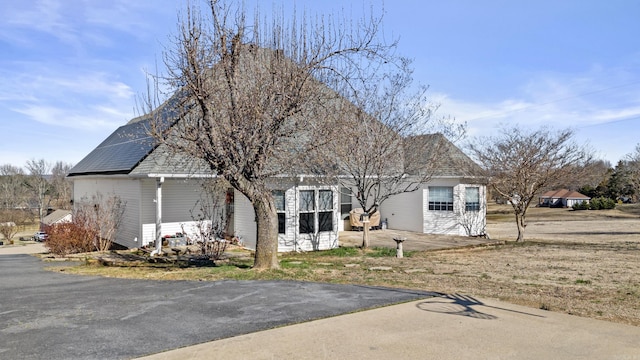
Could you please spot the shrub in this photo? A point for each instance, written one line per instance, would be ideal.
(8, 230)
(71, 238)
(581, 206)
(599, 203)
(602, 203)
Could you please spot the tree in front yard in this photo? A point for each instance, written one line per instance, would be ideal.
(522, 163)
(383, 148)
(258, 98)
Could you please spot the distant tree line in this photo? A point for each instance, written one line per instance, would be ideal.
(27, 193)
(620, 183)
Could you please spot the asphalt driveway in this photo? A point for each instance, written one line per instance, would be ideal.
(50, 315)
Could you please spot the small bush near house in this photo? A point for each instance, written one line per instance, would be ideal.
(581, 206)
(602, 203)
(71, 238)
(599, 203)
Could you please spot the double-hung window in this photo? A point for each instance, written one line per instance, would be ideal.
(325, 210)
(278, 196)
(345, 202)
(472, 199)
(441, 198)
(307, 210)
(316, 211)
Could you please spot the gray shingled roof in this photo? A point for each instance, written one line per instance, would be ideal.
(433, 154)
(131, 150)
(163, 161)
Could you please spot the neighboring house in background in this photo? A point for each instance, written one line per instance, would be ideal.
(562, 198)
(57, 217)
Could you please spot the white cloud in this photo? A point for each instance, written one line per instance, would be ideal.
(88, 100)
(597, 97)
(76, 23)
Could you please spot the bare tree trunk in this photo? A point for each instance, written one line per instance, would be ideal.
(267, 221)
(520, 222)
(365, 234)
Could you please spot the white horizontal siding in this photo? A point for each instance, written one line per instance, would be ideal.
(244, 220)
(404, 211)
(128, 190)
(291, 240)
(451, 222)
(190, 228)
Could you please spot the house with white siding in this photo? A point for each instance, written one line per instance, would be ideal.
(562, 198)
(161, 189)
(161, 195)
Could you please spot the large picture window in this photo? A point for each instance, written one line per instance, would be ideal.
(312, 209)
(440, 198)
(278, 196)
(472, 199)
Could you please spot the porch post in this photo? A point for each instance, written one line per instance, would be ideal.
(159, 182)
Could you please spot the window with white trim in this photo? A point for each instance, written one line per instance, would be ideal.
(315, 211)
(472, 199)
(441, 198)
(325, 210)
(345, 202)
(307, 210)
(279, 199)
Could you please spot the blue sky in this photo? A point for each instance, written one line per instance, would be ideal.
(72, 70)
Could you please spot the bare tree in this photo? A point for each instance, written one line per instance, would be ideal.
(12, 189)
(211, 220)
(473, 221)
(255, 100)
(522, 163)
(38, 184)
(381, 149)
(61, 186)
(101, 215)
(8, 228)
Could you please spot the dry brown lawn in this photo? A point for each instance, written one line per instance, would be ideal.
(585, 263)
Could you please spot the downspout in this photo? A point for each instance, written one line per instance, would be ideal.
(158, 250)
(296, 212)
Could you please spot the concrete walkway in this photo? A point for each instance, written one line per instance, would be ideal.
(446, 327)
(414, 241)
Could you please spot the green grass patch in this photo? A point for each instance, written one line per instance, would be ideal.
(294, 264)
(583, 282)
(339, 252)
(377, 252)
